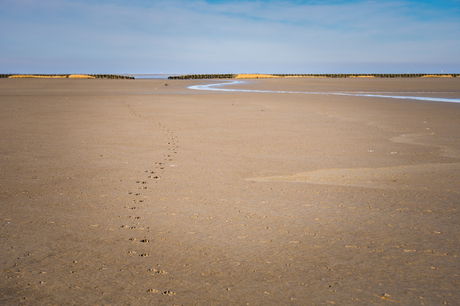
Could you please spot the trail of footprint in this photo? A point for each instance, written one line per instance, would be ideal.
(144, 184)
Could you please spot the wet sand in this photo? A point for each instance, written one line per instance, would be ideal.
(130, 192)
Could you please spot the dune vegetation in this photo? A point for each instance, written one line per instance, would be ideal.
(438, 76)
(255, 76)
(81, 76)
(23, 76)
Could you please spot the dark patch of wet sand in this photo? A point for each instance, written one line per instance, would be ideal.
(132, 192)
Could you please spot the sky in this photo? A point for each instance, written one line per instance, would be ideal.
(229, 36)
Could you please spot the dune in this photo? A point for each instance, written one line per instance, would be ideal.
(437, 76)
(255, 76)
(80, 76)
(23, 76)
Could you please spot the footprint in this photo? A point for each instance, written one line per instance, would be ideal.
(168, 293)
(157, 271)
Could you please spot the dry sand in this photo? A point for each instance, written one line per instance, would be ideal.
(129, 192)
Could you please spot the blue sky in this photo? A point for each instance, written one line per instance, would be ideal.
(220, 36)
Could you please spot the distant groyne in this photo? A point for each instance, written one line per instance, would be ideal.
(340, 75)
(64, 76)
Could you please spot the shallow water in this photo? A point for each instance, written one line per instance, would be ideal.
(219, 87)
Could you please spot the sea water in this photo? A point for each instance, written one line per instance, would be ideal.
(220, 87)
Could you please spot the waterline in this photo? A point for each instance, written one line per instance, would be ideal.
(219, 87)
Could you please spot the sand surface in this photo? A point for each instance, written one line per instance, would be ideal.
(130, 192)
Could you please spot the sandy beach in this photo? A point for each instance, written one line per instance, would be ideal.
(130, 192)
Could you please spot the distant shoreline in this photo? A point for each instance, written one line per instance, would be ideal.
(230, 76)
(65, 76)
(341, 75)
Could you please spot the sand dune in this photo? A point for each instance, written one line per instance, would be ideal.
(30, 76)
(80, 76)
(255, 76)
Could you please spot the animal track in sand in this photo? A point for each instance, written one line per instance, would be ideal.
(157, 271)
(168, 293)
(136, 194)
(133, 217)
(145, 183)
(134, 227)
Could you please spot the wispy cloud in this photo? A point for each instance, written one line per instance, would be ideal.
(227, 36)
